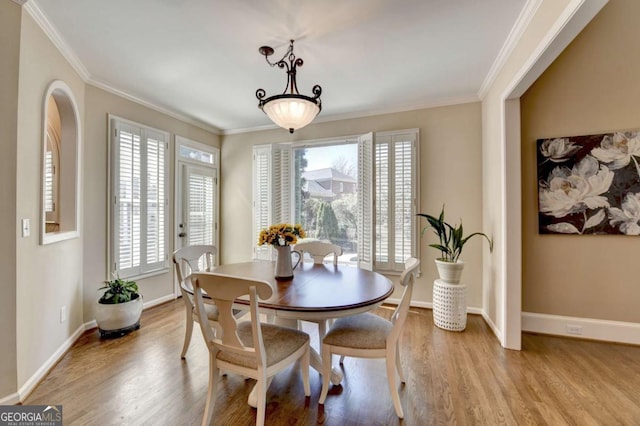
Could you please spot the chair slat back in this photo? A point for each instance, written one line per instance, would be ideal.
(224, 290)
(318, 250)
(187, 261)
(406, 280)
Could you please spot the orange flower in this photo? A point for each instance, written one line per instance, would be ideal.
(281, 234)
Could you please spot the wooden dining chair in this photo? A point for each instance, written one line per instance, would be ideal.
(188, 260)
(249, 348)
(319, 250)
(371, 336)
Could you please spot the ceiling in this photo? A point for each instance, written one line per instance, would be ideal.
(199, 59)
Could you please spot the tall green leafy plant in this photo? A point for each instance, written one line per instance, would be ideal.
(119, 291)
(327, 222)
(451, 238)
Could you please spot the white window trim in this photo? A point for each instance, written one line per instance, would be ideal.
(72, 126)
(111, 267)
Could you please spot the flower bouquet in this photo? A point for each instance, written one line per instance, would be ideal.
(281, 234)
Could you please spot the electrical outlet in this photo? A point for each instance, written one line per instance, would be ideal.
(574, 329)
(63, 314)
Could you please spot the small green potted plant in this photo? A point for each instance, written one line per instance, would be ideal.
(451, 242)
(119, 308)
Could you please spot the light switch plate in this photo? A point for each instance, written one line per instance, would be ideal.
(26, 228)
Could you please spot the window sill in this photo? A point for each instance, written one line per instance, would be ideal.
(146, 274)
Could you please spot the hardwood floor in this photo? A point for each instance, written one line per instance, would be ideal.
(452, 378)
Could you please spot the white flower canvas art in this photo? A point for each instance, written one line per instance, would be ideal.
(589, 185)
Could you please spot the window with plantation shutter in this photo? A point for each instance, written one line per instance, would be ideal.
(395, 204)
(272, 191)
(387, 188)
(139, 199)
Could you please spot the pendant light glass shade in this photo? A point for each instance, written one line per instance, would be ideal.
(291, 112)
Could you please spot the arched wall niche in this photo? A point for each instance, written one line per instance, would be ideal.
(59, 210)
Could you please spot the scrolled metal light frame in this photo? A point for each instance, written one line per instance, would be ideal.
(288, 62)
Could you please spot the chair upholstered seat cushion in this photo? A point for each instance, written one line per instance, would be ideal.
(211, 310)
(279, 343)
(364, 331)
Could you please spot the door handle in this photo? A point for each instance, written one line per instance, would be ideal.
(182, 234)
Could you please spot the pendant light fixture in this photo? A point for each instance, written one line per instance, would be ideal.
(290, 110)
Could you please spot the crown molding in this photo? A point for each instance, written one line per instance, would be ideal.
(573, 19)
(524, 19)
(50, 30)
(68, 53)
(20, 2)
(368, 113)
(145, 103)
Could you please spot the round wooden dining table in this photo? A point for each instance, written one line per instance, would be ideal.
(317, 293)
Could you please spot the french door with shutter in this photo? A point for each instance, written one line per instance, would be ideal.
(197, 172)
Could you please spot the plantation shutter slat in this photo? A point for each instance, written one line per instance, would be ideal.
(48, 181)
(365, 201)
(383, 216)
(127, 199)
(261, 198)
(155, 222)
(200, 194)
(404, 212)
(282, 157)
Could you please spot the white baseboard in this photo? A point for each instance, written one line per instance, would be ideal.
(607, 331)
(493, 327)
(583, 328)
(35, 379)
(427, 305)
(12, 399)
(89, 325)
(158, 301)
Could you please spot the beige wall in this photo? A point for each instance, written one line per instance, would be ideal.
(99, 104)
(10, 18)
(450, 173)
(50, 276)
(42, 279)
(591, 88)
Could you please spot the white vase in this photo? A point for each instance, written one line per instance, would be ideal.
(450, 272)
(118, 318)
(284, 266)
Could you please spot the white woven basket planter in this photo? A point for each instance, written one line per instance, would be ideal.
(449, 305)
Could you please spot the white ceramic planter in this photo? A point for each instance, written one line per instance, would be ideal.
(118, 318)
(450, 272)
